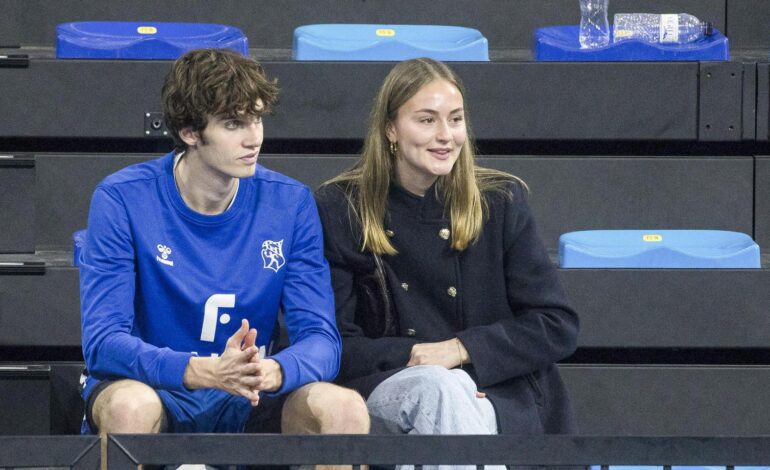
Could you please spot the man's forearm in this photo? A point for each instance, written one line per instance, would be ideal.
(273, 375)
(200, 373)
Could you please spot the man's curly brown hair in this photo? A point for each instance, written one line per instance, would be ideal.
(205, 83)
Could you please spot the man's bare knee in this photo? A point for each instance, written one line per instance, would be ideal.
(349, 412)
(127, 406)
(325, 408)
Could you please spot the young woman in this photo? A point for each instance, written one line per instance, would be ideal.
(479, 316)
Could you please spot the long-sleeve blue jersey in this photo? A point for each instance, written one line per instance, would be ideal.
(160, 282)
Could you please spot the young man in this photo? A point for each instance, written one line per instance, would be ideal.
(188, 260)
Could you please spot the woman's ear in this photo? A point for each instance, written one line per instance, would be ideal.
(390, 131)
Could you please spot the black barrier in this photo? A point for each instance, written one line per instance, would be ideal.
(75, 452)
(128, 451)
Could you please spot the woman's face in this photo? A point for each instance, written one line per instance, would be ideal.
(429, 130)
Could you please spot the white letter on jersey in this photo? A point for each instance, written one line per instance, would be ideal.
(211, 312)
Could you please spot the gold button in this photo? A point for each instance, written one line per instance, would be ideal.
(452, 292)
(410, 332)
(405, 286)
(444, 233)
(389, 233)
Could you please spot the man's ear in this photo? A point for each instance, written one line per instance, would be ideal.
(189, 136)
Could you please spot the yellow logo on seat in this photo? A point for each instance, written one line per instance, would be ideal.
(146, 30)
(385, 32)
(623, 33)
(652, 238)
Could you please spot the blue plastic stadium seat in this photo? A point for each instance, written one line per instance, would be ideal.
(78, 242)
(675, 467)
(679, 467)
(628, 467)
(560, 43)
(642, 467)
(657, 249)
(388, 42)
(143, 40)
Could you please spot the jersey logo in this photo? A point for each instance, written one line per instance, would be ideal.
(165, 252)
(211, 314)
(272, 255)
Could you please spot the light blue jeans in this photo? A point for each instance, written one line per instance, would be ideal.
(431, 400)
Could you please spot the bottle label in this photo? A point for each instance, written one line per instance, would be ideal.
(669, 28)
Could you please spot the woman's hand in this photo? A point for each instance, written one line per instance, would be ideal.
(450, 354)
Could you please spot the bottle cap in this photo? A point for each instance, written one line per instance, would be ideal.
(709, 31)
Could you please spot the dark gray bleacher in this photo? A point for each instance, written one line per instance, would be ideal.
(762, 200)
(635, 145)
(519, 101)
(568, 192)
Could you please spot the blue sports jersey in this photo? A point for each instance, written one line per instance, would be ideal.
(160, 282)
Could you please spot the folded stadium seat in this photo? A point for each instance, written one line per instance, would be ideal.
(143, 40)
(78, 242)
(364, 42)
(638, 467)
(628, 467)
(675, 467)
(699, 468)
(657, 249)
(561, 44)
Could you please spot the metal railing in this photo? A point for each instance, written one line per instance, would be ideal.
(128, 451)
(75, 452)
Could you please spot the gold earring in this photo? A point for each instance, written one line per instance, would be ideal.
(393, 148)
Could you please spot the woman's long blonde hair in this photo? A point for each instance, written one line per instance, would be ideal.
(367, 183)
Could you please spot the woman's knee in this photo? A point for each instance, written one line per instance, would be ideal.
(419, 383)
(421, 390)
(425, 400)
(127, 406)
(325, 408)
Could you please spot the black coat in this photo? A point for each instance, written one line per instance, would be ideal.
(501, 297)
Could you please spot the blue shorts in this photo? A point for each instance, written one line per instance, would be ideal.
(204, 410)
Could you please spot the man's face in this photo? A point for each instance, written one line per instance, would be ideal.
(229, 146)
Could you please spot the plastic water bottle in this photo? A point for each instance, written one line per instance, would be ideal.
(594, 28)
(677, 28)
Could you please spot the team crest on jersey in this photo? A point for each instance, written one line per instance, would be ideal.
(165, 252)
(272, 255)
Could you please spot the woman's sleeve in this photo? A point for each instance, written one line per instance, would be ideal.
(361, 356)
(542, 328)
